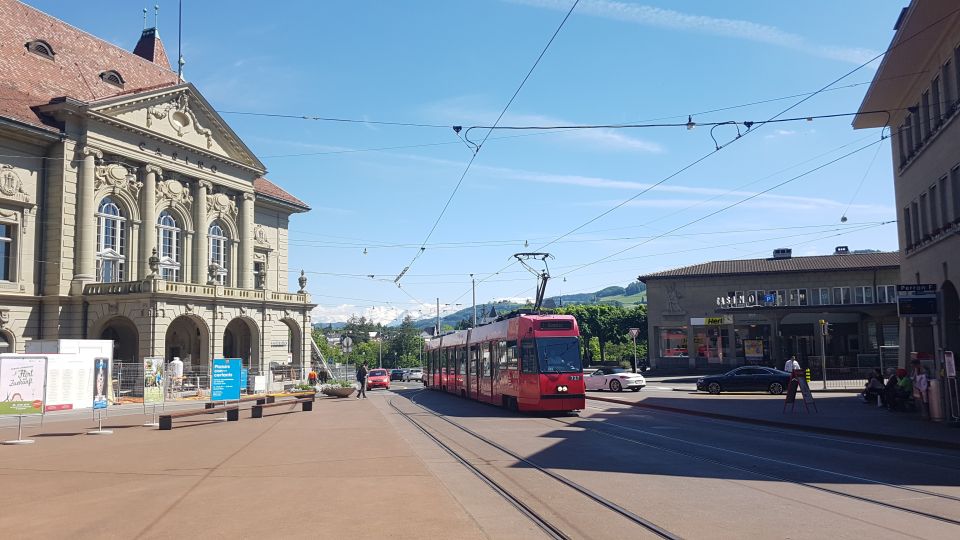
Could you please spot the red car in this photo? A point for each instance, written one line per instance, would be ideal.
(378, 378)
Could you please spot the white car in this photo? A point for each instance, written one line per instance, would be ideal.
(414, 374)
(615, 379)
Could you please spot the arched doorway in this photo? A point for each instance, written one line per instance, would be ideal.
(294, 344)
(6, 342)
(126, 340)
(951, 318)
(241, 339)
(188, 339)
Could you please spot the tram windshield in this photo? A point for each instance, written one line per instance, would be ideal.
(559, 355)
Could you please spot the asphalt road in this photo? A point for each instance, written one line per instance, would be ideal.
(701, 478)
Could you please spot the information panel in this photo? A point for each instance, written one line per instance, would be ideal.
(225, 380)
(21, 385)
(917, 300)
(153, 379)
(69, 382)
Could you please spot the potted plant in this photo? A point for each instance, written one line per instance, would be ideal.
(338, 388)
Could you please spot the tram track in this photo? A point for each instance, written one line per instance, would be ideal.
(544, 523)
(770, 476)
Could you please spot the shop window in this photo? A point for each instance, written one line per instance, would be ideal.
(798, 297)
(863, 295)
(886, 294)
(673, 342)
(841, 295)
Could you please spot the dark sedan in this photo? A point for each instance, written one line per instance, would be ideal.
(396, 375)
(746, 379)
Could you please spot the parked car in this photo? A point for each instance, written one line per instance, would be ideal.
(746, 379)
(378, 378)
(396, 375)
(414, 374)
(614, 379)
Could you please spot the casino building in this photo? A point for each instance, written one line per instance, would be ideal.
(721, 314)
(129, 210)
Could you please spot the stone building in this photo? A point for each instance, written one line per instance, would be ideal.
(720, 314)
(917, 88)
(129, 210)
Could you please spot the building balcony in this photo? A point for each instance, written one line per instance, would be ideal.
(172, 289)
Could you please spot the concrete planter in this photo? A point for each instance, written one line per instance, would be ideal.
(336, 391)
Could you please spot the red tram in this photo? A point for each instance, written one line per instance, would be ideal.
(526, 362)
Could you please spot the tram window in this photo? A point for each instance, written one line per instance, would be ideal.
(501, 356)
(462, 364)
(484, 353)
(528, 357)
(511, 347)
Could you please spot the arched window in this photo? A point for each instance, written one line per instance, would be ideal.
(219, 252)
(6, 342)
(40, 47)
(169, 246)
(113, 77)
(111, 242)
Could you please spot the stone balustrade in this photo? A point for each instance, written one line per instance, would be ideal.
(163, 287)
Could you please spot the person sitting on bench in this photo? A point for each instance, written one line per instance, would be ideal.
(873, 389)
(904, 391)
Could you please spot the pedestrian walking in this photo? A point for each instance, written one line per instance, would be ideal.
(791, 365)
(362, 380)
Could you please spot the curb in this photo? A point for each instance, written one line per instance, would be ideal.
(774, 423)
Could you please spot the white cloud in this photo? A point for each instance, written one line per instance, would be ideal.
(732, 28)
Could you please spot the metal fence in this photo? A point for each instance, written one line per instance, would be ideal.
(851, 371)
(128, 381)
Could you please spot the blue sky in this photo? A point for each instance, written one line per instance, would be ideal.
(452, 62)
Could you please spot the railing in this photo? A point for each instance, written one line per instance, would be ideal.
(851, 372)
(191, 289)
(128, 381)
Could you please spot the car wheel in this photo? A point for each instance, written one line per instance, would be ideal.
(775, 388)
(635, 389)
(714, 388)
(615, 386)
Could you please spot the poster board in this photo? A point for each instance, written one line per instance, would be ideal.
(225, 379)
(154, 379)
(753, 349)
(791, 399)
(949, 365)
(101, 375)
(22, 384)
(69, 382)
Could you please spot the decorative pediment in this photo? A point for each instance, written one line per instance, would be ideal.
(117, 178)
(181, 115)
(11, 186)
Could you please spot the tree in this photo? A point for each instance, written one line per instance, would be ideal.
(404, 345)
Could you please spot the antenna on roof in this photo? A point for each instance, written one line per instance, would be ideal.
(156, 16)
(180, 60)
(144, 18)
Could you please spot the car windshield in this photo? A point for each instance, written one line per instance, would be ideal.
(377, 373)
(617, 370)
(559, 355)
(415, 370)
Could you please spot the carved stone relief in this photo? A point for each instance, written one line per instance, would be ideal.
(260, 236)
(174, 191)
(10, 184)
(673, 299)
(181, 118)
(4, 317)
(221, 203)
(117, 178)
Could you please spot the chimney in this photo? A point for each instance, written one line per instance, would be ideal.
(841, 250)
(151, 48)
(782, 253)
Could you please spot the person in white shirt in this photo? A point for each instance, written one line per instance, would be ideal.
(791, 365)
(176, 372)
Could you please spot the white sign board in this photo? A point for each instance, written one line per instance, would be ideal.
(949, 364)
(22, 381)
(69, 382)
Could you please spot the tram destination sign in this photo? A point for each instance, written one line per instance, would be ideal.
(918, 300)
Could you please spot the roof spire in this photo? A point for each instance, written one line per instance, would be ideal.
(156, 16)
(144, 18)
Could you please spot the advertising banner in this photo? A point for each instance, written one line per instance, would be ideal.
(225, 379)
(21, 385)
(244, 377)
(153, 379)
(69, 382)
(101, 374)
(753, 349)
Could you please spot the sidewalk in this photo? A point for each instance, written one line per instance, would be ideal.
(836, 414)
(339, 471)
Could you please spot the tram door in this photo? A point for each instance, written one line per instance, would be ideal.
(529, 373)
(474, 389)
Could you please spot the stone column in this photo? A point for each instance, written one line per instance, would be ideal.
(245, 258)
(85, 221)
(148, 233)
(200, 258)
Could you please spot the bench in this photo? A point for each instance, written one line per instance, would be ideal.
(166, 420)
(306, 402)
(258, 399)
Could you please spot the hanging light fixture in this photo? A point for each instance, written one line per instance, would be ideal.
(690, 123)
(364, 251)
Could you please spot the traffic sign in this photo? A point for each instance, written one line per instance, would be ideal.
(918, 300)
(634, 332)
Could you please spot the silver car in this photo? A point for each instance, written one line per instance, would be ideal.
(614, 379)
(413, 374)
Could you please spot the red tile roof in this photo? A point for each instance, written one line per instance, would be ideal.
(28, 80)
(817, 263)
(269, 189)
(78, 60)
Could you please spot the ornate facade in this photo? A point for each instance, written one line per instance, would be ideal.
(129, 210)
